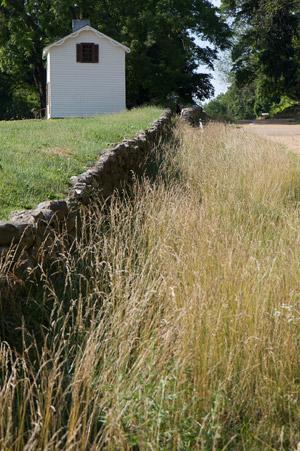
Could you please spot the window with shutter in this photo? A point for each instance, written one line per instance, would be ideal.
(87, 53)
(79, 53)
(96, 53)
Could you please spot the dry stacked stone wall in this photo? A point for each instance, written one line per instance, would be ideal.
(26, 230)
(194, 115)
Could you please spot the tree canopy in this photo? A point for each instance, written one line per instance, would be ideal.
(165, 54)
(266, 51)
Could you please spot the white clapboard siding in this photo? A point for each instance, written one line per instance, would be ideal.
(85, 89)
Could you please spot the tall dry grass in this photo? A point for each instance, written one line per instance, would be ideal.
(176, 323)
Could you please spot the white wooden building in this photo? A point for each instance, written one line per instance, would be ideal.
(85, 74)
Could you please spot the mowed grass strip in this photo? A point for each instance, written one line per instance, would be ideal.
(37, 157)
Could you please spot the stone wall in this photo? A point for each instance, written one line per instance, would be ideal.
(194, 115)
(26, 230)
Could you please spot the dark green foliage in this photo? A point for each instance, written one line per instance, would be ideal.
(218, 109)
(164, 56)
(236, 104)
(16, 101)
(266, 50)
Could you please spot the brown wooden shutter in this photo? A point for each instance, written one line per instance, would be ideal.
(79, 53)
(95, 53)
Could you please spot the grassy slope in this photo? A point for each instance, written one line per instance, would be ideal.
(183, 332)
(37, 158)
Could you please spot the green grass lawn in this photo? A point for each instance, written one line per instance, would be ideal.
(38, 157)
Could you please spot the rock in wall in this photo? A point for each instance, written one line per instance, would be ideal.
(26, 230)
(194, 115)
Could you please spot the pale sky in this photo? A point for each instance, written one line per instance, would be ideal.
(218, 83)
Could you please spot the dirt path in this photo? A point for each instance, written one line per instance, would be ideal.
(288, 134)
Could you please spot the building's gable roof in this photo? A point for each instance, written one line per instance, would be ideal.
(76, 33)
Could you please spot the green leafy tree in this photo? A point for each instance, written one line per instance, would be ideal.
(16, 101)
(164, 54)
(26, 27)
(236, 104)
(266, 50)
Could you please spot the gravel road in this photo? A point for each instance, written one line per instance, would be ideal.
(284, 133)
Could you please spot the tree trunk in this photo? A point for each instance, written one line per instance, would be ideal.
(39, 75)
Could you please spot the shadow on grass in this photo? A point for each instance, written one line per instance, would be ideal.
(28, 295)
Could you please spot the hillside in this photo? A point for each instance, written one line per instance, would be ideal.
(38, 157)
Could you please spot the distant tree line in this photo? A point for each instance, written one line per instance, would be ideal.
(266, 58)
(160, 33)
